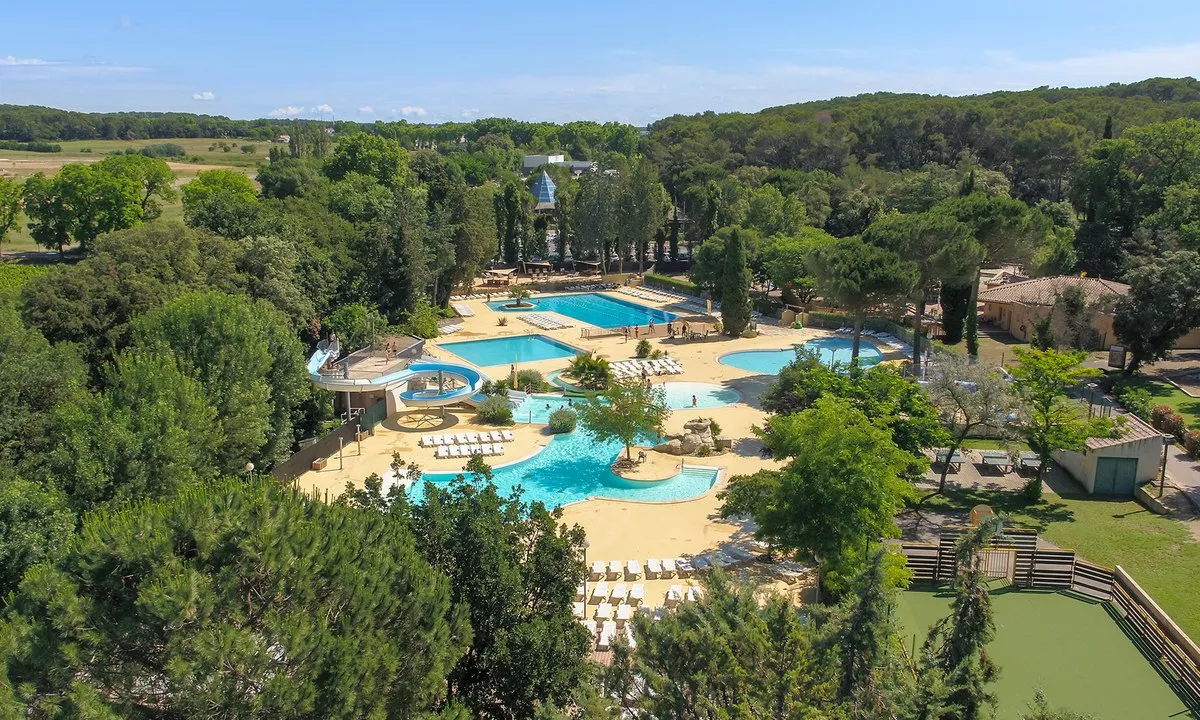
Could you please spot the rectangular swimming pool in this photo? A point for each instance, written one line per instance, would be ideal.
(508, 350)
(594, 309)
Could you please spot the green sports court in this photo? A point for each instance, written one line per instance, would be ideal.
(1074, 650)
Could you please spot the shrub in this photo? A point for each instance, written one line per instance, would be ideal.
(495, 387)
(1191, 443)
(714, 427)
(1173, 425)
(85, 150)
(502, 322)
(703, 451)
(248, 149)
(590, 371)
(161, 150)
(643, 349)
(562, 420)
(530, 380)
(673, 284)
(1157, 413)
(1135, 399)
(495, 410)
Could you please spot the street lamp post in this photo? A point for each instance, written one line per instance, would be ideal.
(1162, 479)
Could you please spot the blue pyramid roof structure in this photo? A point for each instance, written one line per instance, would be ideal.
(543, 192)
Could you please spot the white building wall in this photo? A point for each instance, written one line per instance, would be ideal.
(1082, 465)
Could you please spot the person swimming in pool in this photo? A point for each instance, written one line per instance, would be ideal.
(693, 401)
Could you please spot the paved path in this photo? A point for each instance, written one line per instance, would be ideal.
(1185, 473)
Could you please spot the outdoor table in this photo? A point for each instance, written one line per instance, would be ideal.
(996, 458)
(955, 461)
(1029, 461)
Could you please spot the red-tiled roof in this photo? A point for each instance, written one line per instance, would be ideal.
(1044, 291)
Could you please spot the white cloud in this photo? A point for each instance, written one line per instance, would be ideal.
(413, 110)
(325, 108)
(290, 111)
(206, 95)
(367, 110)
(10, 60)
(470, 113)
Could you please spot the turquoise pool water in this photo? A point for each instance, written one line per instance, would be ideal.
(508, 350)
(574, 467)
(537, 408)
(831, 349)
(708, 396)
(594, 309)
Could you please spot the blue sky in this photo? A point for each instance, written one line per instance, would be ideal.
(560, 61)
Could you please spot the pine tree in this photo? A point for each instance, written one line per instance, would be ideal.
(1108, 130)
(735, 288)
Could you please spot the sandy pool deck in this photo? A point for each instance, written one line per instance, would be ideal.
(616, 529)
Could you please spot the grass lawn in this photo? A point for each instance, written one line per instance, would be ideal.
(1073, 650)
(1158, 552)
(985, 444)
(1164, 393)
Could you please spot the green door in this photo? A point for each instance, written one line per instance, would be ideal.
(1115, 476)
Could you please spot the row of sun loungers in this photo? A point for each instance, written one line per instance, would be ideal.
(884, 338)
(545, 322)
(608, 634)
(620, 593)
(466, 451)
(463, 309)
(474, 296)
(633, 368)
(592, 287)
(695, 307)
(645, 294)
(449, 329)
(466, 438)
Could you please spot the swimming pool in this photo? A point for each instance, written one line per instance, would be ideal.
(508, 350)
(829, 349)
(575, 467)
(537, 408)
(594, 309)
(708, 396)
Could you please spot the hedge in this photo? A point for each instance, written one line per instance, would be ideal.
(39, 147)
(1165, 419)
(1191, 443)
(664, 282)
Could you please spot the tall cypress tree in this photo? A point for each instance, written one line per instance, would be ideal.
(735, 287)
(1108, 128)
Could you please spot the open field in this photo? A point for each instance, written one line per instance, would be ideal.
(1158, 552)
(199, 155)
(22, 164)
(1074, 651)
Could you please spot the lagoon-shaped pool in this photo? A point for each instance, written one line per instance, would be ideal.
(575, 467)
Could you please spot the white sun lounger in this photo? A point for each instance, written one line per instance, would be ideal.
(578, 609)
(472, 438)
(454, 451)
(653, 567)
(629, 639)
(674, 594)
(637, 593)
(476, 449)
(496, 436)
(684, 566)
(499, 449)
(624, 612)
(600, 590)
(506, 435)
(615, 567)
(619, 591)
(604, 610)
(439, 440)
(579, 591)
(426, 440)
(608, 633)
(633, 568)
(668, 567)
(441, 452)
(461, 439)
(598, 569)
(692, 595)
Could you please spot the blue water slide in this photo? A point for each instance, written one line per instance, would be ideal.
(470, 380)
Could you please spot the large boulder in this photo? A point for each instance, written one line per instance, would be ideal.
(670, 447)
(690, 443)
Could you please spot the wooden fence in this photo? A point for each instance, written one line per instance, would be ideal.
(1059, 569)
